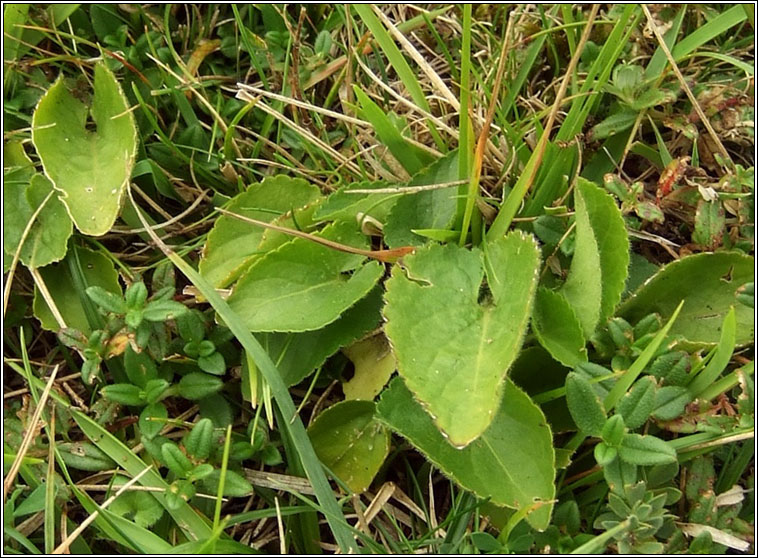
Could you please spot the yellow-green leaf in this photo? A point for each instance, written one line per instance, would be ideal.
(90, 168)
(374, 363)
(349, 441)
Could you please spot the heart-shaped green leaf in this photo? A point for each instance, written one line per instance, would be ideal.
(512, 463)
(46, 241)
(90, 168)
(453, 351)
(349, 441)
(302, 285)
(232, 244)
(601, 257)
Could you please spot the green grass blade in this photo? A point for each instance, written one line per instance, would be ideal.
(627, 379)
(398, 61)
(722, 385)
(658, 61)
(50, 498)
(222, 480)
(409, 156)
(599, 73)
(721, 357)
(747, 68)
(393, 54)
(700, 36)
(466, 137)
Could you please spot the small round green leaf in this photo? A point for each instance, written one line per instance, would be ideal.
(613, 431)
(646, 450)
(670, 402)
(235, 485)
(213, 364)
(139, 367)
(604, 454)
(200, 472)
(672, 368)
(199, 440)
(152, 419)
(136, 295)
(137, 506)
(205, 348)
(162, 310)
(175, 460)
(154, 389)
(126, 394)
(197, 385)
(638, 403)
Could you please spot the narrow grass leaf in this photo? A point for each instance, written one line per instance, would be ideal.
(720, 359)
(628, 378)
(409, 156)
